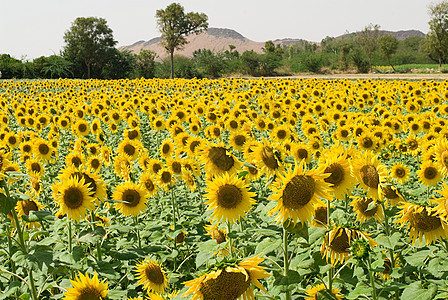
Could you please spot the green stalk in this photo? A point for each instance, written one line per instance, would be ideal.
(372, 278)
(229, 230)
(173, 204)
(98, 244)
(331, 270)
(387, 228)
(286, 260)
(138, 232)
(33, 286)
(70, 242)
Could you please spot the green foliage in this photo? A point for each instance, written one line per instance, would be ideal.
(183, 68)
(145, 64)
(437, 37)
(367, 40)
(209, 64)
(388, 45)
(175, 25)
(57, 67)
(10, 67)
(89, 43)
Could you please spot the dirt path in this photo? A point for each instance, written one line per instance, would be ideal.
(410, 76)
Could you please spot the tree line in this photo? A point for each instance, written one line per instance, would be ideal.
(90, 52)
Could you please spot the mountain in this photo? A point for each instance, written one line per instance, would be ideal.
(219, 39)
(216, 39)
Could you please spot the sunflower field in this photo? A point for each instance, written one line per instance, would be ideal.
(223, 189)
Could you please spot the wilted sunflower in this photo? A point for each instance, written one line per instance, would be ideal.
(218, 160)
(400, 172)
(429, 174)
(151, 275)
(297, 191)
(267, 158)
(229, 198)
(392, 194)
(73, 197)
(366, 208)
(229, 282)
(337, 243)
(422, 222)
(133, 198)
(85, 287)
(371, 174)
(320, 291)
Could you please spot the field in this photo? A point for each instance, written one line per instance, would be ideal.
(224, 189)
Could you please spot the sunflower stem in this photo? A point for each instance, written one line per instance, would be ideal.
(98, 244)
(286, 260)
(70, 246)
(372, 278)
(331, 270)
(137, 231)
(387, 228)
(32, 285)
(229, 230)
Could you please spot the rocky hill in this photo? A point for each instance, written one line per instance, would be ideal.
(219, 39)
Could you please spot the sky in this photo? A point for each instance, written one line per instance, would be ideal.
(32, 28)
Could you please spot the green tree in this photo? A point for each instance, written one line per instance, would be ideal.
(388, 45)
(89, 42)
(57, 67)
(437, 37)
(10, 67)
(145, 63)
(175, 25)
(367, 39)
(208, 63)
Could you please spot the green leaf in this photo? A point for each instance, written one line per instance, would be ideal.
(300, 229)
(77, 253)
(268, 245)
(360, 290)
(92, 236)
(127, 254)
(438, 266)
(37, 216)
(384, 241)
(416, 291)
(418, 258)
(203, 257)
(7, 203)
(292, 278)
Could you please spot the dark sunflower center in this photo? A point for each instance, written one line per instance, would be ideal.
(298, 191)
(29, 205)
(166, 148)
(341, 242)
(424, 222)
(129, 149)
(320, 215)
(82, 127)
(76, 161)
(400, 172)
(131, 197)
(281, 134)
(35, 167)
(26, 148)
(227, 286)
(240, 140)
(149, 185)
(176, 167)
(89, 293)
(252, 170)
(154, 274)
(269, 159)
(430, 173)
(12, 140)
(233, 124)
(387, 264)
(156, 168)
(389, 192)
(302, 154)
(95, 163)
(370, 176)
(166, 177)
(445, 158)
(220, 159)
(193, 145)
(344, 133)
(363, 205)
(73, 197)
(367, 142)
(216, 131)
(337, 174)
(229, 196)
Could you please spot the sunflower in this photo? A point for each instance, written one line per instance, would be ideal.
(81, 128)
(97, 186)
(167, 148)
(229, 282)
(24, 207)
(366, 208)
(337, 243)
(337, 165)
(175, 165)
(74, 159)
(219, 235)
(85, 287)
(442, 207)
(267, 158)
(237, 139)
(297, 191)
(122, 166)
(132, 197)
(320, 291)
(400, 172)
(148, 182)
(229, 198)
(422, 222)
(151, 275)
(301, 152)
(73, 197)
(189, 180)
(320, 218)
(94, 163)
(35, 168)
(218, 160)
(441, 156)
(391, 193)
(429, 174)
(165, 178)
(130, 148)
(370, 173)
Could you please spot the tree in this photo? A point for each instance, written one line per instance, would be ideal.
(89, 42)
(175, 25)
(437, 37)
(145, 63)
(57, 67)
(367, 39)
(388, 45)
(208, 63)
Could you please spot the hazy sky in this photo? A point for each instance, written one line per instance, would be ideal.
(31, 28)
